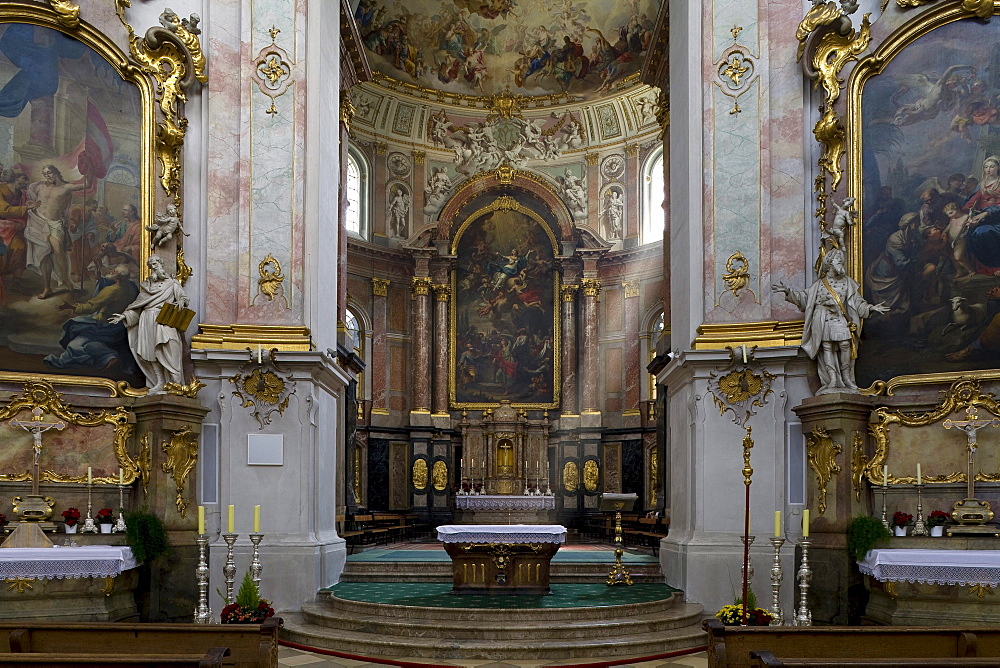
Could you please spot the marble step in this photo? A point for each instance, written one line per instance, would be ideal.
(485, 627)
(371, 571)
(528, 646)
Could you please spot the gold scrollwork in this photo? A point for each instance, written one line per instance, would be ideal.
(273, 74)
(190, 390)
(571, 477)
(981, 8)
(742, 389)
(737, 275)
(419, 475)
(591, 475)
(145, 461)
(963, 393)
(821, 454)
(858, 461)
(439, 475)
(68, 12)
(981, 590)
(40, 394)
(262, 388)
(270, 277)
(20, 584)
(182, 455)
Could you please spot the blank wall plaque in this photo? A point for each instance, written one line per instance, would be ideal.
(265, 449)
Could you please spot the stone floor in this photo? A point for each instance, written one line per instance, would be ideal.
(288, 656)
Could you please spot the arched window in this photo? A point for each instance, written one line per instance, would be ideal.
(652, 200)
(356, 339)
(357, 196)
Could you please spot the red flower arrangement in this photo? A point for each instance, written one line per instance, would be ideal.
(901, 519)
(249, 607)
(104, 516)
(938, 518)
(71, 516)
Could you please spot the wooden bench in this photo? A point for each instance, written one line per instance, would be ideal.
(213, 657)
(250, 645)
(768, 659)
(346, 530)
(732, 645)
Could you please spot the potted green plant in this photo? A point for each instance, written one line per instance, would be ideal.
(864, 534)
(900, 521)
(249, 607)
(937, 520)
(145, 535)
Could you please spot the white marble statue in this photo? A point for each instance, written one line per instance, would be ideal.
(436, 192)
(574, 192)
(842, 219)
(614, 212)
(158, 349)
(399, 208)
(167, 224)
(834, 312)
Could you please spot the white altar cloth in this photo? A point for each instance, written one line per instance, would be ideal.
(943, 567)
(92, 561)
(504, 502)
(502, 533)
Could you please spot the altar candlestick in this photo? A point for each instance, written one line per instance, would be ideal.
(885, 476)
(919, 480)
(256, 519)
(232, 518)
(90, 476)
(201, 520)
(805, 523)
(777, 523)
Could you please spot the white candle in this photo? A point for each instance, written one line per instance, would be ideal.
(256, 519)
(777, 523)
(744, 353)
(121, 478)
(201, 519)
(919, 477)
(259, 358)
(90, 476)
(805, 523)
(232, 518)
(885, 476)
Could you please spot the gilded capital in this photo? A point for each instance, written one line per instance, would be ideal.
(381, 148)
(591, 158)
(442, 292)
(421, 286)
(347, 109)
(380, 287)
(631, 288)
(591, 287)
(631, 150)
(568, 292)
(419, 157)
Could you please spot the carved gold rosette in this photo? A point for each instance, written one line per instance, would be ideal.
(821, 453)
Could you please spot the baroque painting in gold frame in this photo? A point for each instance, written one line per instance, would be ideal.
(922, 109)
(70, 98)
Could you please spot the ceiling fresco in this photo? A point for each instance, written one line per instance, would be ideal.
(580, 48)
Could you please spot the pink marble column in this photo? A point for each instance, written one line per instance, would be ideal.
(633, 368)
(589, 362)
(421, 345)
(633, 192)
(419, 181)
(379, 357)
(379, 175)
(570, 401)
(442, 294)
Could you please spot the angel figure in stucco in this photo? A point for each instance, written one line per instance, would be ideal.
(834, 312)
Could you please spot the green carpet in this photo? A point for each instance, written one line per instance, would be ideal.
(438, 595)
(562, 556)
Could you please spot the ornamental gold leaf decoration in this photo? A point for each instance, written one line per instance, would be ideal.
(190, 390)
(68, 13)
(182, 455)
(821, 453)
(272, 72)
(270, 277)
(591, 475)
(261, 388)
(419, 475)
(145, 461)
(858, 460)
(737, 275)
(743, 388)
(439, 475)
(571, 477)
(981, 8)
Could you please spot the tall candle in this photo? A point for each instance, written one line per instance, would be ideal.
(805, 523)
(256, 519)
(232, 518)
(260, 360)
(777, 523)
(919, 477)
(201, 519)
(121, 478)
(744, 353)
(473, 462)
(885, 476)
(90, 476)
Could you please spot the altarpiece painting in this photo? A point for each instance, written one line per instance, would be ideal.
(504, 322)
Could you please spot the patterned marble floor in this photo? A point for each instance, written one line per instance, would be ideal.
(288, 656)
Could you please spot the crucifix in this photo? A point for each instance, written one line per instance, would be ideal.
(36, 426)
(971, 511)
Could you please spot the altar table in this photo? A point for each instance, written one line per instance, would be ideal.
(92, 561)
(501, 558)
(504, 502)
(944, 567)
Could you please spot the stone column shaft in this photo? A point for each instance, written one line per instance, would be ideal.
(633, 192)
(589, 341)
(379, 179)
(421, 345)
(570, 401)
(633, 365)
(379, 357)
(442, 294)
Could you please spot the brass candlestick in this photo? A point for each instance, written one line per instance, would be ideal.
(777, 618)
(919, 527)
(885, 520)
(89, 526)
(803, 617)
(255, 566)
(229, 570)
(202, 613)
(120, 522)
(618, 574)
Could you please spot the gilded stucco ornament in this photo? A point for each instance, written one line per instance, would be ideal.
(737, 275)
(270, 277)
(182, 455)
(262, 389)
(858, 461)
(439, 475)
(273, 75)
(68, 12)
(981, 8)
(419, 475)
(821, 454)
(591, 475)
(190, 390)
(571, 477)
(741, 386)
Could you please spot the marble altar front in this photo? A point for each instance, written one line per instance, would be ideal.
(501, 559)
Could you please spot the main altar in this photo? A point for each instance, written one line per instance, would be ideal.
(501, 559)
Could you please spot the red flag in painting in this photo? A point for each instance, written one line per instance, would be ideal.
(99, 150)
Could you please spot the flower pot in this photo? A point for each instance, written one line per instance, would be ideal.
(899, 531)
(937, 531)
(69, 528)
(106, 528)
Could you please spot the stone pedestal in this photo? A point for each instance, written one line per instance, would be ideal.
(834, 427)
(70, 599)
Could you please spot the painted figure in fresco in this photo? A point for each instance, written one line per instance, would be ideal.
(834, 312)
(158, 348)
(90, 339)
(889, 277)
(47, 231)
(13, 220)
(936, 96)
(983, 240)
(127, 235)
(957, 231)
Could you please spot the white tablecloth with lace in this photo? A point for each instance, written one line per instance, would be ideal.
(943, 567)
(92, 561)
(502, 533)
(505, 502)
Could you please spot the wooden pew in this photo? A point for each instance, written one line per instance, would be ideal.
(250, 645)
(732, 645)
(768, 659)
(213, 657)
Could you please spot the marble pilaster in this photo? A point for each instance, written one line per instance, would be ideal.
(588, 343)
(633, 370)
(442, 295)
(633, 194)
(380, 351)
(379, 180)
(419, 183)
(421, 344)
(570, 403)
(593, 188)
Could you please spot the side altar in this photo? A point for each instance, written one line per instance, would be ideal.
(501, 559)
(504, 509)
